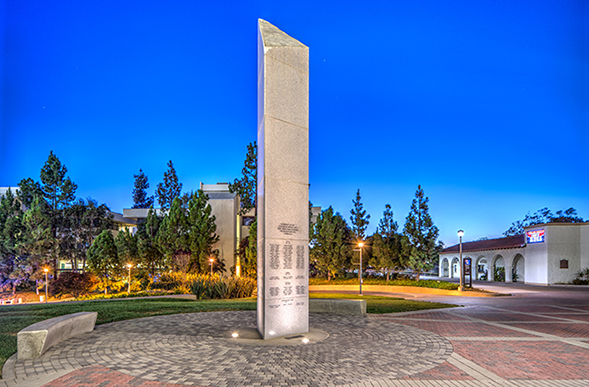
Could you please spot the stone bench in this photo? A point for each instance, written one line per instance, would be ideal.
(337, 306)
(35, 339)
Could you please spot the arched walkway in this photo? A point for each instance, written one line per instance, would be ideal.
(445, 268)
(455, 268)
(498, 269)
(518, 269)
(482, 269)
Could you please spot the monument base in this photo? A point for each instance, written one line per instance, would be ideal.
(251, 336)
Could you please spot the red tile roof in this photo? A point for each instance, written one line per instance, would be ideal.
(510, 242)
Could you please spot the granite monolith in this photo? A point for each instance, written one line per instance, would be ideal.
(283, 183)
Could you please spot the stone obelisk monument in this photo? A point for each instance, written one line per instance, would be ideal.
(283, 183)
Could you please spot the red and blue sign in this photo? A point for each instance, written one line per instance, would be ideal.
(535, 236)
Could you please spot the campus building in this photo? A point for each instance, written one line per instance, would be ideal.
(546, 254)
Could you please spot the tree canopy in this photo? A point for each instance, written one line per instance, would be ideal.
(542, 216)
(246, 186)
(170, 189)
(140, 186)
(331, 243)
(359, 219)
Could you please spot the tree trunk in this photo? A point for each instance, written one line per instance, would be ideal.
(388, 274)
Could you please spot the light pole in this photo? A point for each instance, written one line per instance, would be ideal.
(360, 245)
(46, 283)
(129, 284)
(461, 288)
(211, 263)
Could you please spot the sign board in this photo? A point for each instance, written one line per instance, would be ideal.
(467, 266)
(535, 236)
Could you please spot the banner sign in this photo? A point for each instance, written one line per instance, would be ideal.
(535, 236)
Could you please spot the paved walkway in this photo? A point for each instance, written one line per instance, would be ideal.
(539, 337)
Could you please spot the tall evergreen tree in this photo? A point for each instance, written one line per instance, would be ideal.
(250, 266)
(246, 186)
(331, 243)
(127, 248)
(28, 190)
(359, 218)
(149, 255)
(58, 192)
(11, 237)
(421, 234)
(85, 220)
(386, 246)
(202, 232)
(140, 198)
(173, 238)
(103, 259)
(170, 189)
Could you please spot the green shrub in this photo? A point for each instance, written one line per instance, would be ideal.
(582, 277)
(499, 274)
(169, 281)
(76, 284)
(206, 287)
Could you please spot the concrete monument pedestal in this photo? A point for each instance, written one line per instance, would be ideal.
(283, 183)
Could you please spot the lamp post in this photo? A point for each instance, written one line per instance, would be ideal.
(46, 283)
(211, 263)
(129, 284)
(461, 288)
(360, 245)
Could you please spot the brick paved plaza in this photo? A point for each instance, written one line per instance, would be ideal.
(537, 337)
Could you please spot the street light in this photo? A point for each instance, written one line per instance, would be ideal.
(461, 288)
(211, 263)
(129, 265)
(46, 283)
(360, 245)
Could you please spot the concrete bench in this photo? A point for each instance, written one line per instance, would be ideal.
(35, 339)
(337, 306)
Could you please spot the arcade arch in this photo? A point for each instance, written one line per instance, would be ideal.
(498, 267)
(518, 273)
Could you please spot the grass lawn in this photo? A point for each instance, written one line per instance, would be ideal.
(382, 281)
(15, 318)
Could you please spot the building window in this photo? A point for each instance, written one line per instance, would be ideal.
(564, 264)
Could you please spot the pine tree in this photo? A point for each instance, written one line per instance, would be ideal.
(359, 219)
(103, 259)
(386, 247)
(140, 198)
(250, 267)
(149, 255)
(170, 189)
(11, 237)
(172, 237)
(331, 243)
(246, 186)
(421, 234)
(202, 231)
(127, 248)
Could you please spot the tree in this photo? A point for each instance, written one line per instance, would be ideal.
(251, 252)
(202, 233)
(542, 216)
(170, 189)
(359, 219)
(11, 237)
(58, 192)
(127, 248)
(149, 255)
(28, 190)
(331, 243)
(386, 246)
(421, 234)
(246, 186)
(103, 259)
(140, 198)
(85, 220)
(173, 238)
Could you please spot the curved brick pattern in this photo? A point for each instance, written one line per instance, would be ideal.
(192, 349)
(103, 377)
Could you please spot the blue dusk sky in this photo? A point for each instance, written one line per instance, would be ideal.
(483, 103)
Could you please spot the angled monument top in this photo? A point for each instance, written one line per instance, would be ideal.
(273, 37)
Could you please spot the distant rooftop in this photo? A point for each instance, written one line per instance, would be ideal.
(510, 242)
